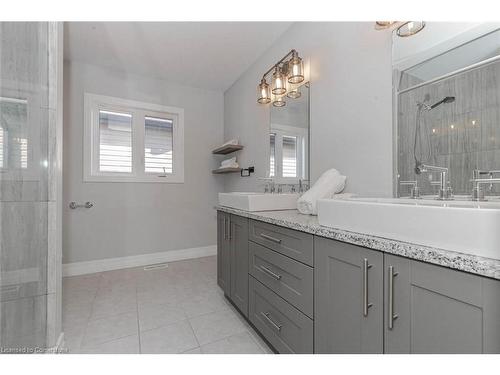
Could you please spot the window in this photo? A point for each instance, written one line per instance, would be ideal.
(272, 154)
(129, 141)
(288, 153)
(17, 149)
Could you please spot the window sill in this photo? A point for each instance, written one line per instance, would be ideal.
(171, 179)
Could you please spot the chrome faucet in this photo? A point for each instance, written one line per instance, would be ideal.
(302, 186)
(477, 181)
(415, 190)
(445, 191)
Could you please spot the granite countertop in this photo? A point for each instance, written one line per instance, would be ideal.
(306, 223)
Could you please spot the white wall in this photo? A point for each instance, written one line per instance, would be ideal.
(351, 105)
(139, 218)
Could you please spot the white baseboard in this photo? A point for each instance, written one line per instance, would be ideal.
(93, 266)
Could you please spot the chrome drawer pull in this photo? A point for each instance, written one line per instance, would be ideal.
(366, 305)
(277, 240)
(268, 318)
(392, 315)
(269, 272)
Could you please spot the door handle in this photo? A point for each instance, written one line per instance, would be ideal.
(277, 240)
(392, 315)
(366, 304)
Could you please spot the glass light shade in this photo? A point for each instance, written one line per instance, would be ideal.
(279, 85)
(279, 101)
(410, 28)
(293, 92)
(381, 25)
(296, 69)
(263, 92)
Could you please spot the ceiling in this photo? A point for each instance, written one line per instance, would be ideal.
(209, 55)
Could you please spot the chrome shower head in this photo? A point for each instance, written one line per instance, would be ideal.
(446, 100)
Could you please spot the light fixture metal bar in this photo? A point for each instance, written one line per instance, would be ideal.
(279, 62)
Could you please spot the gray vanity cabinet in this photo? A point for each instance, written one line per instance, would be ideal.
(348, 299)
(238, 253)
(223, 258)
(439, 310)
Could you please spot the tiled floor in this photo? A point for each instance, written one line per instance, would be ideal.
(178, 309)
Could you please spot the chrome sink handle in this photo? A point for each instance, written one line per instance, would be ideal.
(415, 190)
(477, 181)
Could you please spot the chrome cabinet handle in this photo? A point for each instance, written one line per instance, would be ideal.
(74, 205)
(269, 272)
(366, 305)
(224, 235)
(392, 316)
(267, 316)
(229, 234)
(277, 240)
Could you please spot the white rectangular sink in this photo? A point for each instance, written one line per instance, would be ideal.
(259, 201)
(462, 226)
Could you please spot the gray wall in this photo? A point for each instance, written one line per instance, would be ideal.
(140, 218)
(351, 105)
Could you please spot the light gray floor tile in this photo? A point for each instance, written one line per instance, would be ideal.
(125, 345)
(155, 315)
(193, 351)
(107, 329)
(113, 304)
(102, 312)
(241, 343)
(174, 338)
(215, 326)
(204, 304)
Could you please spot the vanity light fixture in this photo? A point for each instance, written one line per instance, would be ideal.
(293, 92)
(410, 28)
(279, 81)
(279, 101)
(264, 92)
(382, 25)
(296, 68)
(403, 29)
(287, 73)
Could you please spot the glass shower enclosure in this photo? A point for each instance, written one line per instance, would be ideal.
(30, 186)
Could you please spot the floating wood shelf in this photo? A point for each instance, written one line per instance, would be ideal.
(226, 170)
(227, 149)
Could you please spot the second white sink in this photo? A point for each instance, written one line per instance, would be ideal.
(259, 201)
(466, 227)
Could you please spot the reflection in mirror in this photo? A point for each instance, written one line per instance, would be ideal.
(289, 138)
(448, 112)
(13, 133)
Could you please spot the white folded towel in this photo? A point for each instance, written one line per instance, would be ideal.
(228, 161)
(231, 142)
(331, 182)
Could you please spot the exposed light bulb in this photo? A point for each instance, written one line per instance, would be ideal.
(279, 86)
(263, 92)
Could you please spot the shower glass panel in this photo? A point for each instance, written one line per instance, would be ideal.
(26, 120)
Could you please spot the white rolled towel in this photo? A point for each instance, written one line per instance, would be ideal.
(228, 162)
(330, 182)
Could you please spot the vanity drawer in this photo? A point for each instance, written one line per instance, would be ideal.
(289, 242)
(285, 327)
(290, 279)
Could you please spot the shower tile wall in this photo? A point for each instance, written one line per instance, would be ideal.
(28, 87)
(462, 136)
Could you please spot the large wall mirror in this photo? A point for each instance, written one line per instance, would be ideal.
(447, 105)
(289, 139)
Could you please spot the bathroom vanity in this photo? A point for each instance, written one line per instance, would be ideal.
(312, 289)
